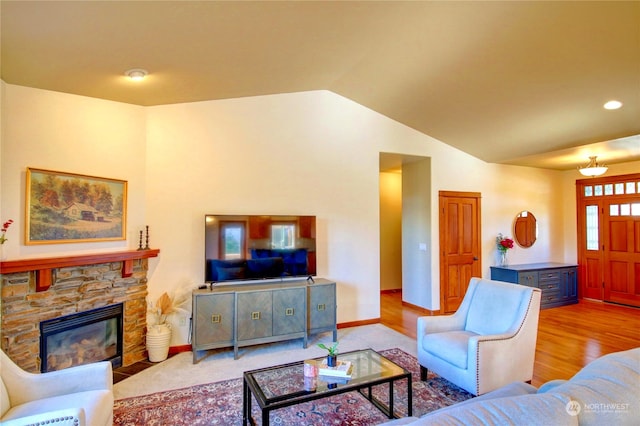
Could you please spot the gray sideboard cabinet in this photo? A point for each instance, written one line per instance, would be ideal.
(251, 313)
(558, 281)
(322, 308)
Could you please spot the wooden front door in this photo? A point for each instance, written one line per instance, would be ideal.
(622, 258)
(609, 238)
(459, 246)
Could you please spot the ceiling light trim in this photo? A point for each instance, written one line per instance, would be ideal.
(136, 74)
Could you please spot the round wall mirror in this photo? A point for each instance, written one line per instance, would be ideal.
(525, 229)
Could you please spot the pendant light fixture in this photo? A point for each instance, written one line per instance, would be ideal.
(593, 169)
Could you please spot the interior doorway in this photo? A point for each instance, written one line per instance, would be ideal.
(405, 228)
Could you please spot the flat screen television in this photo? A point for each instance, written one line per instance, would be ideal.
(246, 247)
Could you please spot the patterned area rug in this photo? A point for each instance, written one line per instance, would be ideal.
(220, 403)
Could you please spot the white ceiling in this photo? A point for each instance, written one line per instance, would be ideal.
(508, 82)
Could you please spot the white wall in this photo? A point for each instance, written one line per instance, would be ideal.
(418, 240)
(56, 131)
(316, 153)
(303, 153)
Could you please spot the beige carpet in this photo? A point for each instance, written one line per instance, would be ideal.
(179, 370)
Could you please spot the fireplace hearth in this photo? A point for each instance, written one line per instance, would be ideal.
(82, 338)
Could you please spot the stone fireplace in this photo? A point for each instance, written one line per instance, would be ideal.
(40, 290)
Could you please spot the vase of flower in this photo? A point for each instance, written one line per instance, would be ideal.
(504, 244)
(504, 259)
(158, 340)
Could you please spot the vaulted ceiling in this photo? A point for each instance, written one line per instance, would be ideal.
(507, 82)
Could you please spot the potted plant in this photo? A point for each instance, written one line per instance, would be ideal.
(158, 329)
(332, 356)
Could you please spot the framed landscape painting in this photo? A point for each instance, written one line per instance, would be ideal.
(72, 208)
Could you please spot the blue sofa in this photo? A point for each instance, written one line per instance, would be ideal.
(605, 392)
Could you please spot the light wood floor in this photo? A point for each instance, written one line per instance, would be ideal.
(569, 337)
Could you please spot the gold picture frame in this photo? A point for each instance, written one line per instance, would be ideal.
(72, 208)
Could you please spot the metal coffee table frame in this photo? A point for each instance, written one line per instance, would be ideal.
(370, 369)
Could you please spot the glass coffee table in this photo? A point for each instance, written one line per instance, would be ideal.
(285, 385)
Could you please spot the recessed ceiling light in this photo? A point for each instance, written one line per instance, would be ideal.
(136, 74)
(613, 105)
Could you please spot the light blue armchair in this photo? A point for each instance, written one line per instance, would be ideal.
(488, 343)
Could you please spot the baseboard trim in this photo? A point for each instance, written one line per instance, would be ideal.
(420, 309)
(178, 349)
(358, 323)
(411, 306)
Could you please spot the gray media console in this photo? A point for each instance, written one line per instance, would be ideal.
(248, 313)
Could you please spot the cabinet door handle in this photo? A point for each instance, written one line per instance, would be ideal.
(255, 315)
(289, 312)
(216, 318)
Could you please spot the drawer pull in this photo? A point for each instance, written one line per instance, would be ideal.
(216, 318)
(289, 312)
(255, 315)
(550, 286)
(321, 307)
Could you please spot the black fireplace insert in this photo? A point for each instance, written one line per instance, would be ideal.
(82, 338)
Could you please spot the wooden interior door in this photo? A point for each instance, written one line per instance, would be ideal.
(622, 258)
(459, 246)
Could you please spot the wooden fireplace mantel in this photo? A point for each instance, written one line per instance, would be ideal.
(44, 266)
